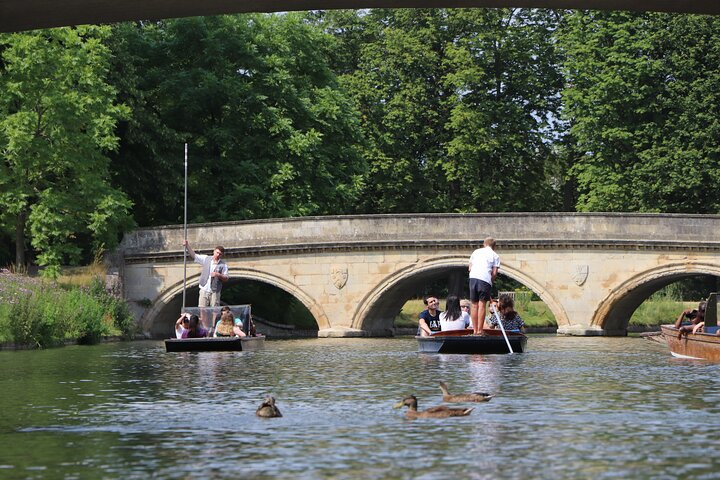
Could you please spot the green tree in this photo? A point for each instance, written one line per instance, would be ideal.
(458, 106)
(57, 120)
(270, 131)
(643, 100)
(505, 81)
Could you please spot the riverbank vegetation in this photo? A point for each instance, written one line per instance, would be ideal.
(38, 313)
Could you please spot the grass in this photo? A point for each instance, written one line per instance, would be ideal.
(82, 276)
(41, 313)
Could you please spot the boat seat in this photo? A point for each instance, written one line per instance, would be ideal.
(711, 311)
(712, 329)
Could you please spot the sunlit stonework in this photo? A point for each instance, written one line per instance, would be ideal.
(580, 274)
(339, 276)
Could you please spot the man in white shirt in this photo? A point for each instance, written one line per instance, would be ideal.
(214, 274)
(484, 265)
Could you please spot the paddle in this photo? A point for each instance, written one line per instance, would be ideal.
(185, 233)
(497, 317)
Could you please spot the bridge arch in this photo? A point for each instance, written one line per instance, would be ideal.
(167, 299)
(317, 311)
(378, 309)
(614, 312)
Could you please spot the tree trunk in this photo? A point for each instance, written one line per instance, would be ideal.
(20, 241)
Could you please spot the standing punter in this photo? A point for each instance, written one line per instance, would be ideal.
(214, 274)
(484, 264)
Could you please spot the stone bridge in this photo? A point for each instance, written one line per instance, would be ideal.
(354, 273)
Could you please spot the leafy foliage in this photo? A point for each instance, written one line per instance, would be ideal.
(643, 100)
(57, 117)
(42, 314)
(270, 132)
(457, 106)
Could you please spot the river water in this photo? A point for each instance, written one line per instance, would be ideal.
(568, 408)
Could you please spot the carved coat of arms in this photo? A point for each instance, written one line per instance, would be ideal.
(339, 276)
(580, 274)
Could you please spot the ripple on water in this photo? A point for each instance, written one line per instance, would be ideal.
(568, 408)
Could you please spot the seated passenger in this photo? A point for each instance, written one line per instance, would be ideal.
(182, 325)
(465, 306)
(195, 330)
(509, 317)
(691, 321)
(429, 320)
(224, 326)
(454, 318)
(238, 328)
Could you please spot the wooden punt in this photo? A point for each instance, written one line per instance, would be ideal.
(705, 346)
(464, 342)
(217, 344)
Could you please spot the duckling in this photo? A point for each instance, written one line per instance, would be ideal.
(463, 397)
(268, 409)
(432, 412)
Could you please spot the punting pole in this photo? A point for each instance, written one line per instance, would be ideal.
(497, 316)
(185, 230)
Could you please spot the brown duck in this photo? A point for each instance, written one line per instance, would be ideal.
(463, 397)
(432, 412)
(268, 409)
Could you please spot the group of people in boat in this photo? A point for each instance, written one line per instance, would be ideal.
(692, 321)
(190, 326)
(456, 315)
(212, 276)
(465, 314)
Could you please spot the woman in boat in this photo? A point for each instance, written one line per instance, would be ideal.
(454, 318)
(182, 325)
(225, 326)
(195, 330)
(506, 311)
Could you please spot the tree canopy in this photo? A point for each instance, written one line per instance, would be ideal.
(341, 112)
(57, 121)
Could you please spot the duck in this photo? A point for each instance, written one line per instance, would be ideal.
(433, 412)
(463, 397)
(268, 409)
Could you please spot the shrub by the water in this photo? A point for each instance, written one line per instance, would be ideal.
(40, 314)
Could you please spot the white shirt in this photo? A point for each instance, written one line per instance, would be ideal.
(459, 323)
(482, 262)
(200, 258)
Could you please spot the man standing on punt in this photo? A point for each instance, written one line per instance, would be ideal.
(484, 265)
(214, 274)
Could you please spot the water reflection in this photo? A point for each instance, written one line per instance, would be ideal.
(569, 408)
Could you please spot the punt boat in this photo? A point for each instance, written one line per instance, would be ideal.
(217, 344)
(208, 318)
(463, 341)
(704, 345)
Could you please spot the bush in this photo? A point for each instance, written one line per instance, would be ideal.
(42, 314)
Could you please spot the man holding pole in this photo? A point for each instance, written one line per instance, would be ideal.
(214, 273)
(484, 265)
